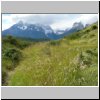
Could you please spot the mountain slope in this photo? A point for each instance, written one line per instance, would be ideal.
(71, 61)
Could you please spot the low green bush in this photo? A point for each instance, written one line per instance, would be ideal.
(94, 27)
(13, 54)
(74, 35)
(87, 30)
(10, 40)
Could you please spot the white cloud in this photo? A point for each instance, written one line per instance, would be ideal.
(62, 25)
(87, 18)
(84, 18)
(6, 22)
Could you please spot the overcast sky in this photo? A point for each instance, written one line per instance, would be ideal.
(56, 21)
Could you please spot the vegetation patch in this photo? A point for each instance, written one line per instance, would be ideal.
(94, 27)
(11, 55)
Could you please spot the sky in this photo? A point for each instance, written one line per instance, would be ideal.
(56, 21)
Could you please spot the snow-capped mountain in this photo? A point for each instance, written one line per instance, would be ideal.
(58, 31)
(39, 31)
(25, 30)
(76, 27)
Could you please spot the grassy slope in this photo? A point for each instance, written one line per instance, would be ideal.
(49, 64)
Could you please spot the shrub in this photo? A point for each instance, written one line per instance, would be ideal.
(11, 58)
(93, 52)
(74, 35)
(23, 44)
(92, 35)
(11, 40)
(89, 51)
(12, 54)
(87, 30)
(94, 27)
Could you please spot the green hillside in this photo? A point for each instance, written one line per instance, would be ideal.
(70, 61)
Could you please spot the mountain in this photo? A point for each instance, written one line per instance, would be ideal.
(61, 33)
(39, 31)
(25, 30)
(76, 27)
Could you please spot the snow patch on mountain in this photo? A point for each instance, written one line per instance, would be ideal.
(22, 27)
(47, 29)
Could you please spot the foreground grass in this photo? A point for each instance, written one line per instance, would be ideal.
(64, 63)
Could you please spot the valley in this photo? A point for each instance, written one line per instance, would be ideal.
(69, 61)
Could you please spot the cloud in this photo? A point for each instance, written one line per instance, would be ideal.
(88, 18)
(6, 21)
(56, 21)
(84, 18)
(40, 18)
